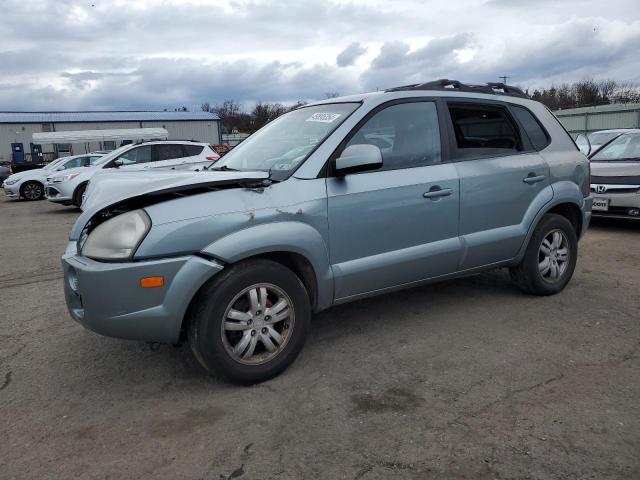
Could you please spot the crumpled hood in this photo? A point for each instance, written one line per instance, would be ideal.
(107, 189)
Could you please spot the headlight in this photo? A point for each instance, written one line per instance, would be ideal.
(118, 237)
(64, 178)
(9, 181)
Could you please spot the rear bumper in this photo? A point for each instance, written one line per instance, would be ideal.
(107, 297)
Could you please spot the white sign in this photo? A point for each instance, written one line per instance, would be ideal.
(323, 117)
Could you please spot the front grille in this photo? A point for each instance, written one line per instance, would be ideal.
(622, 180)
(612, 189)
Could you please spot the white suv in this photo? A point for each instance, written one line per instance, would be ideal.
(69, 188)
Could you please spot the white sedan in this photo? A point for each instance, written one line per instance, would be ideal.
(30, 184)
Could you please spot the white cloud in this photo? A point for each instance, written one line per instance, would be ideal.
(165, 53)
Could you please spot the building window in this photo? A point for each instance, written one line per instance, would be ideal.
(46, 127)
(109, 145)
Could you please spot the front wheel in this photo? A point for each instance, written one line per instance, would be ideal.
(250, 322)
(32, 191)
(550, 258)
(79, 195)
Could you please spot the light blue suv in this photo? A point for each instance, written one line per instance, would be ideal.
(333, 202)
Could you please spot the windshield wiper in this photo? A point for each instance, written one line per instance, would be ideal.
(224, 168)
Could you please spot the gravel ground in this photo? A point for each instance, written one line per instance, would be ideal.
(463, 379)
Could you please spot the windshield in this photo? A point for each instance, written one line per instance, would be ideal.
(55, 163)
(280, 146)
(600, 138)
(625, 147)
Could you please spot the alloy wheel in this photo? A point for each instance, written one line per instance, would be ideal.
(32, 191)
(257, 324)
(553, 256)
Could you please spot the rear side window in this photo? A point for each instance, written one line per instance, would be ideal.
(169, 151)
(407, 134)
(192, 150)
(537, 136)
(484, 130)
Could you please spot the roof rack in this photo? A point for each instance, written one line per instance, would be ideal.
(494, 88)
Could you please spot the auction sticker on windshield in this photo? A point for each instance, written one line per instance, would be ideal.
(323, 117)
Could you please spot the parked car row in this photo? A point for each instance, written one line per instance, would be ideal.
(65, 180)
(332, 202)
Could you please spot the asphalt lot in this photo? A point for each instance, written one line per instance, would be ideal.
(464, 379)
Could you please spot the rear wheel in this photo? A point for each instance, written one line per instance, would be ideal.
(32, 191)
(250, 322)
(550, 258)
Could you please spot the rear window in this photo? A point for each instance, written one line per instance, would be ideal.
(484, 130)
(537, 136)
(192, 150)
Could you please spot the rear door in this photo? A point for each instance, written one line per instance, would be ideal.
(168, 156)
(399, 224)
(501, 173)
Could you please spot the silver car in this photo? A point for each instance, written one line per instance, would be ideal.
(30, 184)
(615, 177)
(314, 211)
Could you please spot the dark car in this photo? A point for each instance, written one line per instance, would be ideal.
(5, 171)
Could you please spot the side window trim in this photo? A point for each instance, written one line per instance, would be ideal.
(452, 144)
(444, 147)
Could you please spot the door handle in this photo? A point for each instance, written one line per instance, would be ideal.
(437, 192)
(533, 178)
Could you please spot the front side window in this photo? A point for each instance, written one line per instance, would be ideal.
(284, 143)
(136, 155)
(624, 148)
(76, 162)
(407, 134)
(484, 130)
(168, 151)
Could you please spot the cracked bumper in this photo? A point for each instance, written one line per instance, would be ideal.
(107, 297)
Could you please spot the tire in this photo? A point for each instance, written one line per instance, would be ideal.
(537, 273)
(214, 336)
(32, 191)
(77, 197)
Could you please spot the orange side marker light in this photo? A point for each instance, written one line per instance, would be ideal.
(151, 282)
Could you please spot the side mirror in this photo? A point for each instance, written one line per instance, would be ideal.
(118, 163)
(358, 158)
(59, 169)
(583, 143)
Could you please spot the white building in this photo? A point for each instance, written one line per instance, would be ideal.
(17, 129)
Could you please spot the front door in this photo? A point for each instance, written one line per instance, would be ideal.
(399, 224)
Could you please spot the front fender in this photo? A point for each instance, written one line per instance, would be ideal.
(284, 236)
